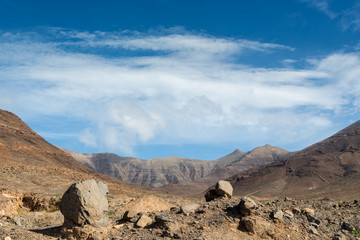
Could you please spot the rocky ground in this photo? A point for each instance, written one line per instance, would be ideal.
(161, 217)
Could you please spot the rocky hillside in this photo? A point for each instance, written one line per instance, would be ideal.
(31, 169)
(158, 172)
(328, 168)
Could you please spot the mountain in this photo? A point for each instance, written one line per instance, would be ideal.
(154, 172)
(158, 172)
(31, 166)
(328, 168)
(229, 165)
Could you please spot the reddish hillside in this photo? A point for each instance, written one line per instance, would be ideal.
(328, 168)
(28, 163)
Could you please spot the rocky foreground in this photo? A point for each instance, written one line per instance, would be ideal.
(155, 217)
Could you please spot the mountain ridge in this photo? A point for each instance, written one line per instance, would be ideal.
(158, 172)
(314, 171)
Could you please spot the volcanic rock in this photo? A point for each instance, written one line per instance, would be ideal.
(186, 209)
(277, 214)
(257, 225)
(85, 202)
(211, 195)
(224, 188)
(246, 206)
(143, 221)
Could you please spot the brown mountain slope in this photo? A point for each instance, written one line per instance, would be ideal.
(158, 172)
(29, 164)
(328, 168)
(154, 172)
(240, 161)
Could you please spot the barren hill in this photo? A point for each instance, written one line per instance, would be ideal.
(328, 168)
(158, 172)
(154, 172)
(31, 166)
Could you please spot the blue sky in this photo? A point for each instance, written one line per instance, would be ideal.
(181, 78)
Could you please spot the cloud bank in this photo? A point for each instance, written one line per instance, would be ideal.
(172, 87)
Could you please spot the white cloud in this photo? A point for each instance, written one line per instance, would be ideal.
(187, 89)
(322, 6)
(351, 18)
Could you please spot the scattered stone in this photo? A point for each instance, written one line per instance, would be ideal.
(277, 214)
(313, 230)
(85, 202)
(130, 215)
(7, 238)
(224, 188)
(162, 219)
(312, 219)
(211, 195)
(309, 211)
(347, 226)
(314, 225)
(143, 221)
(296, 210)
(246, 206)
(257, 226)
(288, 214)
(189, 208)
(338, 236)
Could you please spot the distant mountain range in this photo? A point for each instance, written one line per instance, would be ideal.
(158, 172)
(328, 168)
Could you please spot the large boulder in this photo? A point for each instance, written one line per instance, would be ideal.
(85, 202)
(247, 205)
(224, 188)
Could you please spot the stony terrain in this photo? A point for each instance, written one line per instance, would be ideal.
(157, 172)
(170, 218)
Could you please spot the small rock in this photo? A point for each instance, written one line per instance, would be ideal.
(211, 195)
(312, 219)
(288, 214)
(314, 225)
(143, 221)
(277, 214)
(189, 208)
(224, 188)
(287, 199)
(296, 210)
(7, 238)
(313, 230)
(347, 226)
(162, 219)
(257, 226)
(130, 215)
(338, 236)
(309, 211)
(246, 205)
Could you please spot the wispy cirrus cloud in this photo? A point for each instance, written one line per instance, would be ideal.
(349, 17)
(322, 6)
(172, 87)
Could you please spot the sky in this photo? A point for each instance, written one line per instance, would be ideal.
(197, 79)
